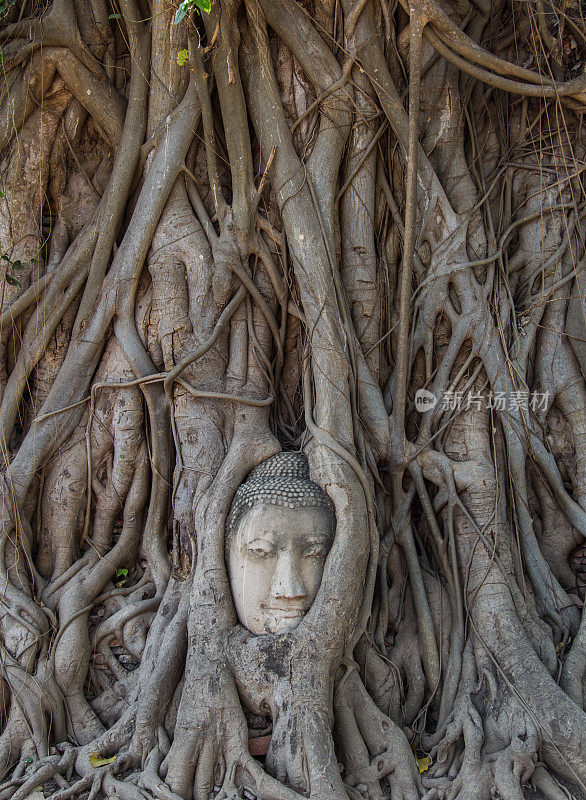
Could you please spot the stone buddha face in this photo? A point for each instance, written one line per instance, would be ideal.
(275, 563)
(279, 533)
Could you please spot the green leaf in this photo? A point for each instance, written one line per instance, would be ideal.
(121, 573)
(182, 10)
(187, 5)
(16, 265)
(114, 16)
(5, 258)
(2, 194)
(182, 57)
(12, 281)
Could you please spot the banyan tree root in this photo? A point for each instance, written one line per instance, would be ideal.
(353, 228)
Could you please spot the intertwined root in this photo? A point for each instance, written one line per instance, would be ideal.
(197, 272)
(490, 747)
(373, 747)
(493, 751)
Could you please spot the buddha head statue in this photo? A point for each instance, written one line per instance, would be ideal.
(279, 531)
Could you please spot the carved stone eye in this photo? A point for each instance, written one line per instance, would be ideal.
(315, 552)
(258, 551)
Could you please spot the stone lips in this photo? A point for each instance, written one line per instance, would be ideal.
(282, 480)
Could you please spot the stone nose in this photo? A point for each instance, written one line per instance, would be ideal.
(287, 581)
